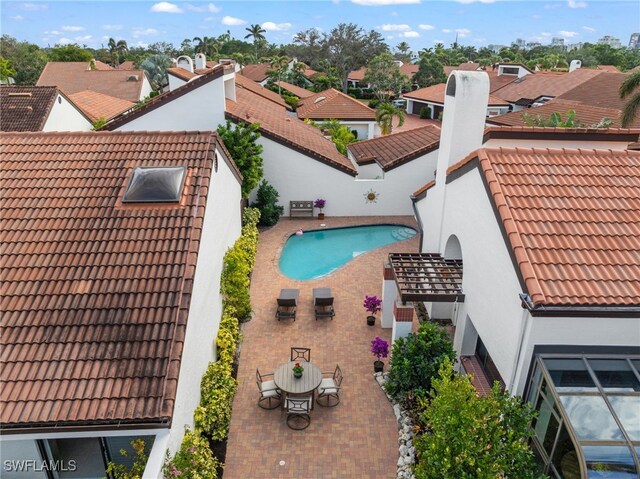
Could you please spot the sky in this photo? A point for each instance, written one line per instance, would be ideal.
(421, 23)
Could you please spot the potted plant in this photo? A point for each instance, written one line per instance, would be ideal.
(297, 370)
(380, 349)
(372, 305)
(319, 203)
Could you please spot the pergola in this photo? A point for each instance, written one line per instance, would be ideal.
(427, 277)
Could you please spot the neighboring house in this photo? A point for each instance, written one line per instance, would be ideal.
(532, 253)
(74, 77)
(98, 106)
(432, 98)
(602, 90)
(586, 114)
(40, 108)
(110, 302)
(332, 104)
(256, 72)
(294, 89)
(355, 79)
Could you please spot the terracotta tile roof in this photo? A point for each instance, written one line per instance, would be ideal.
(435, 94)
(601, 90)
(309, 72)
(409, 69)
(587, 114)
(563, 134)
(495, 82)
(423, 189)
(391, 151)
(357, 75)
(334, 104)
(164, 98)
(256, 72)
(540, 84)
(280, 126)
(95, 295)
(98, 105)
(294, 89)
(72, 77)
(98, 65)
(243, 82)
(127, 65)
(25, 108)
(572, 219)
(608, 68)
(181, 73)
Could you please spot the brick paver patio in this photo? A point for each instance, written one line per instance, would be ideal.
(359, 437)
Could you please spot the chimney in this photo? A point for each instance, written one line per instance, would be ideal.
(463, 121)
(185, 62)
(201, 61)
(574, 65)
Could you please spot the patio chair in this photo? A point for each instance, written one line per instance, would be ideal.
(323, 303)
(269, 392)
(287, 303)
(298, 409)
(302, 354)
(329, 389)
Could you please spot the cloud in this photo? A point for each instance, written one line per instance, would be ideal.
(17, 18)
(566, 34)
(276, 27)
(52, 32)
(83, 39)
(33, 7)
(233, 21)
(426, 26)
(376, 3)
(143, 32)
(576, 4)
(112, 27)
(410, 34)
(446, 30)
(390, 27)
(463, 32)
(72, 28)
(166, 7)
(589, 29)
(211, 8)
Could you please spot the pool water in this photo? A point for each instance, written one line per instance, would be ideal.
(318, 253)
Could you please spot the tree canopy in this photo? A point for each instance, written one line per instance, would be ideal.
(384, 77)
(241, 141)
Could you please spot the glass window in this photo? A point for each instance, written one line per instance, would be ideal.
(591, 418)
(610, 462)
(615, 374)
(155, 184)
(570, 375)
(79, 458)
(533, 387)
(116, 444)
(545, 425)
(565, 459)
(627, 409)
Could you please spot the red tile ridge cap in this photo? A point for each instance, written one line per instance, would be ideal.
(541, 129)
(424, 188)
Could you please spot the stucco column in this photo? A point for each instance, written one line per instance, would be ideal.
(389, 295)
(402, 320)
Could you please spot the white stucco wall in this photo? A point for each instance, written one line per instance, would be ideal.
(221, 227)
(199, 110)
(66, 117)
(575, 331)
(146, 89)
(366, 129)
(299, 177)
(175, 82)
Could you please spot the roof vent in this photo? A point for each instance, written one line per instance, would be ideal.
(22, 94)
(155, 184)
(319, 99)
(132, 78)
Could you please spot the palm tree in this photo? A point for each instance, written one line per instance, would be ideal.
(115, 48)
(279, 66)
(255, 31)
(384, 117)
(630, 87)
(207, 45)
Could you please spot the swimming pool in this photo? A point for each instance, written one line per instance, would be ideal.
(317, 253)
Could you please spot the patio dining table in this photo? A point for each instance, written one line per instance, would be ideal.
(285, 380)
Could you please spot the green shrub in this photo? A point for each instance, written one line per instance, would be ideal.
(415, 361)
(217, 390)
(291, 100)
(194, 459)
(234, 282)
(267, 203)
(228, 336)
(136, 470)
(374, 103)
(471, 436)
(425, 113)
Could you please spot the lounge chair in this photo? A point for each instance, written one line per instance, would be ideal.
(323, 303)
(287, 304)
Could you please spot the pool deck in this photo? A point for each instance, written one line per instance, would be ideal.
(359, 437)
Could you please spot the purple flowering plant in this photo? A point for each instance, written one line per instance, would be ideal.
(379, 348)
(372, 304)
(319, 203)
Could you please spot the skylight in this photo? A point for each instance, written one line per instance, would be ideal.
(155, 184)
